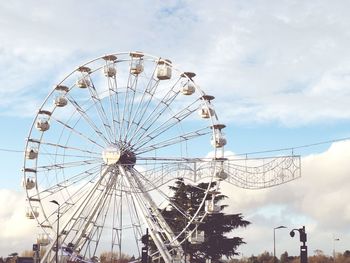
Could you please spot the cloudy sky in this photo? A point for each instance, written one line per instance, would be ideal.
(280, 72)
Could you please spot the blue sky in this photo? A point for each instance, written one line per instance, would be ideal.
(279, 71)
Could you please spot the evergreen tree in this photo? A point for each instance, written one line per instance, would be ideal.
(216, 244)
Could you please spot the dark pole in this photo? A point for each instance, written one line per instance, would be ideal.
(303, 246)
(144, 252)
(58, 227)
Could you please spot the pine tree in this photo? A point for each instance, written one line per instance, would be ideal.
(188, 198)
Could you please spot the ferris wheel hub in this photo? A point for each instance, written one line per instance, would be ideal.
(127, 157)
(111, 155)
(114, 155)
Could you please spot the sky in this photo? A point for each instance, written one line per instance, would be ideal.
(279, 71)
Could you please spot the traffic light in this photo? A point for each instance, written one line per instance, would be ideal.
(302, 235)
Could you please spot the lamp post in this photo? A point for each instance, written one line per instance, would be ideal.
(334, 239)
(58, 227)
(303, 239)
(274, 241)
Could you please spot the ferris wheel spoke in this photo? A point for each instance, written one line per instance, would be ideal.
(145, 209)
(66, 206)
(77, 132)
(135, 220)
(173, 141)
(146, 126)
(118, 106)
(69, 148)
(102, 214)
(165, 196)
(132, 223)
(143, 105)
(68, 164)
(156, 113)
(139, 115)
(130, 105)
(71, 200)
(100, 110)
(80, 193)
(130, 88)
(81, 219)
(69, 155)
(150, 88)
(117, 226)
(165, 126)
(106, 206)
(114, 105)
(112, 85)
(90, 122)
(116, 231)
(73, 180)
(155, 219)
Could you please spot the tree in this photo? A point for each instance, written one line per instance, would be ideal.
(27, 253)
(188, 198)
(284, 257)
(109, 257)
(320, 259)
(265, 257)
(346, 254)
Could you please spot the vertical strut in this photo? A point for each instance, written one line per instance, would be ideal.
(152, 218)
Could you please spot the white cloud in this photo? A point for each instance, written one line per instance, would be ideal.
(284, 61)
(17, 232)
(318, 200)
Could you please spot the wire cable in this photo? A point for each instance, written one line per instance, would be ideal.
(10, 150)
(295, 147)
(249, 153)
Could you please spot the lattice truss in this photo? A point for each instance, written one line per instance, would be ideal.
(247, 173)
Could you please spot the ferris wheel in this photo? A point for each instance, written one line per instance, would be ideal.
(105, 145)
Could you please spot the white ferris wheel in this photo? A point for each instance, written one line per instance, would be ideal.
(108, 141)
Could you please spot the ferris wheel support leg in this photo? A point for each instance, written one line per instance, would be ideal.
(154, 221)
(47, 258)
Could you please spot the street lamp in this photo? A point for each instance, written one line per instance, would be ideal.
(303, 239)
(58, 227)
(274, 241)
(334, 239)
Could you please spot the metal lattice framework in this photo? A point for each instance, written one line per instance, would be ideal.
(108, 141)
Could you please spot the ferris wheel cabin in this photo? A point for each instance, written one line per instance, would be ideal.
(136, 65)
(164, 69)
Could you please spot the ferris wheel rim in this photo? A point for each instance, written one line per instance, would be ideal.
(40, 140)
